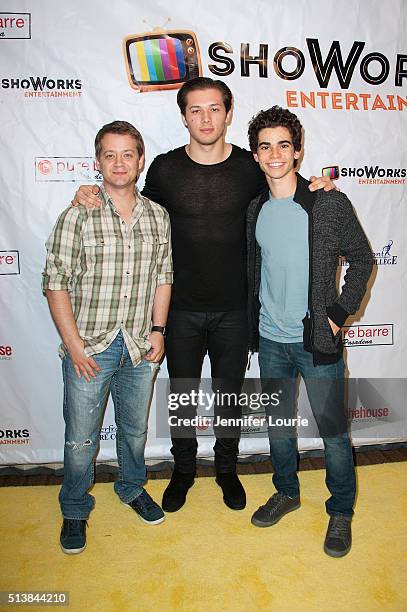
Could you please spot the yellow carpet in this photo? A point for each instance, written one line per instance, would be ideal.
(206, 557)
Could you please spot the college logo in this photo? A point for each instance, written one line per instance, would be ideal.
(15, 25)
(14, 437)
(66, 169)
(367, 335)
(6, 352)
(384, 257)
(161, 59)
(43, 86)
(9, 262)
(108, 433)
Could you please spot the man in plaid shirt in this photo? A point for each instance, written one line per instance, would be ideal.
(108, 280)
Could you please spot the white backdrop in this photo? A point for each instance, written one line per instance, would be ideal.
(63, 75)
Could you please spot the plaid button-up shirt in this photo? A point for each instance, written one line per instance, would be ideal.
(111, 270)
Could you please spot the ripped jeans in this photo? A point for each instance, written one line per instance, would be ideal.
(84, 405)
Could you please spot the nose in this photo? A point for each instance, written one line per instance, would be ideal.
(206, 116)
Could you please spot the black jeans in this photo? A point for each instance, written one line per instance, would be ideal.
(224, 336)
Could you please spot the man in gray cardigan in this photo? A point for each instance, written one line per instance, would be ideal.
(295, 238)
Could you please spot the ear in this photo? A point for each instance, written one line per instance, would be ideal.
(256, 157)
(97, 164)
(184, 121)
(229, 116)
(297, 154)
(141, 164)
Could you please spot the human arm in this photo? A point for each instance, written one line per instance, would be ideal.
(355, 247)
(159, 317)
(61, 310)
(63, 253)
(162, 294)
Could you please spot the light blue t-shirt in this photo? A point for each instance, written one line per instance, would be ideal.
(282, 233)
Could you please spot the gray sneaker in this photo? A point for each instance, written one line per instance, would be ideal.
(273, 510)
(338, 540)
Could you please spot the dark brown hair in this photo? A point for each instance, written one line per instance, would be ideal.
(119, 127)
(200, 83)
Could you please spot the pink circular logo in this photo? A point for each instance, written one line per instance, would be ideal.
(45, 166)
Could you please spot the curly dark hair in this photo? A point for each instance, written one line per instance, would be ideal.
(271, 118)
(200, 83)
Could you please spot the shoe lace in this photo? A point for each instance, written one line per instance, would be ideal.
(144, 501)
(276, 501)
(338, 527)
(73, 526)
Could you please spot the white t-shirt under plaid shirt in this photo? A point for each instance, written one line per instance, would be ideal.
(111, 270)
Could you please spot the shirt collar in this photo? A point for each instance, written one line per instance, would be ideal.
(107, 200)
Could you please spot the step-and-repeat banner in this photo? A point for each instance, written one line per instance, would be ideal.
(68, 68)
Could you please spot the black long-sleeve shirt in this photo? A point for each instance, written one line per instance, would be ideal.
(207, 206)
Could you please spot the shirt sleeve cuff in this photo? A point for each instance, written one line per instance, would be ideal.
(337, 314)
(55, 285)
(165, 279)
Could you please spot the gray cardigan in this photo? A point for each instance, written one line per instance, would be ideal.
(333, 230)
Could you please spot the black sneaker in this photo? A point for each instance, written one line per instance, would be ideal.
(234, 494)
(277, 506)
(176, 492)
(338, 540)
(147, 509)
(73, 536)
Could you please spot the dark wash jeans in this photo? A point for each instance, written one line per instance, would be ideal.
(280, 365)
(224, 336)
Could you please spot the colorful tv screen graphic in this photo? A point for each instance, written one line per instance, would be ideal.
(161, 59)
(331, 171)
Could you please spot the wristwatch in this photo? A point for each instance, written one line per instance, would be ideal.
(158, 328)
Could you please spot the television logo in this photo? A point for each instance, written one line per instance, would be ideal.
(15, 25)
(161, 59)
(9, 262)
(367, 335)
(331, 171)
(66, 169)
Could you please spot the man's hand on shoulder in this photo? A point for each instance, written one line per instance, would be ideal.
(156, 339)
(322, 182)
(87, 195)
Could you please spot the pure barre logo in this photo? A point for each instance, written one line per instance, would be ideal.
(15, 25)
(9, 262)
(66, 169)
(368, 335)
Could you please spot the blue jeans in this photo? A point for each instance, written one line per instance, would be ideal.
(280, 365)
(84, 405)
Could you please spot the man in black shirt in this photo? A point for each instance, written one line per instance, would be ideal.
(206, 186)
